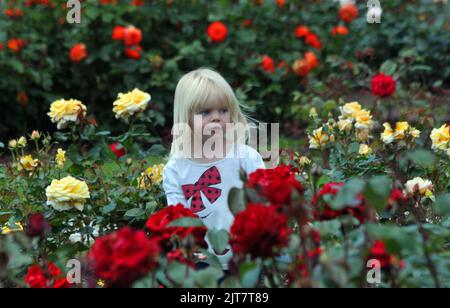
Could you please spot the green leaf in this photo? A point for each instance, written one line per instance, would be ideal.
(236, 200)
(250, 273)
(2, 146)
(18, 66)
(347, 196)
(109, 208)
(331, 227)
(186, 222)
(156, 150)
(353, 148)
(378, 191)
(218, 240)
(135, 212)
(103, 133)
(422, 157)
(388, 67)
(208, 278)
(178, 273)
(442, 205)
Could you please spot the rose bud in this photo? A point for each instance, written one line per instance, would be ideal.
(117, 149)
(37, 225)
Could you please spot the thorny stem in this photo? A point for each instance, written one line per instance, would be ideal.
(423, 233)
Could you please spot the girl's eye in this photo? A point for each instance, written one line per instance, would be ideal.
(204, 112)
(223, 110)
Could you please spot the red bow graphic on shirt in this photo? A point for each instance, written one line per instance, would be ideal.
(209, 177)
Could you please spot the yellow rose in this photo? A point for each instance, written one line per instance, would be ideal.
(28, 163)
(60, 158)
(319, 139)
(362, 134)
(363, 119)
(421, 186)
(400, 130)
(364, 150)
(63, 112)
(414, 133)
(388, 135)
(151, 176)
(7, 230)
(441, 138)
(349, 109)
(130, 103)
(67, 193)
(345, 125)
(22, 142)
(304, 161)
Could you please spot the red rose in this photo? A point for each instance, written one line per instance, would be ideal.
(217, 32)
(378, 252)
(178, 255)
(35, 277)
(50, 277)
(122, 257)
(78, 52)
(137, 2)
(13, 13)
(348, 12)
(276, 185)
(134, 52)
(301, 31)
(313, 41)
(247, 23)
(341, 30)
(118, 33)
(383, 85)
(1, 46)
(158, 223)
(267, 64)
(37, 225)
(118, 149)
(397, 197)
(327, 213)
(132, 36)
(260, 231)
(315, 236)
(22, 98)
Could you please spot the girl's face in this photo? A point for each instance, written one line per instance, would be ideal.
(211, 118)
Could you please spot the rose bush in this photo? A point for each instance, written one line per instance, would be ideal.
(121, 45)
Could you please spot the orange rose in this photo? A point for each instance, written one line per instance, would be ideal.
(16, 44)
(132, 36)
(78, 52)
(341, 30)
(118, 33)
(281, 3)
(313, 41)
(348, 12)
(301, 31)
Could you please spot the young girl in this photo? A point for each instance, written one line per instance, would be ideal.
(208, 150)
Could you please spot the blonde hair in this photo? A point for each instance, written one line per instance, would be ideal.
(194, 90)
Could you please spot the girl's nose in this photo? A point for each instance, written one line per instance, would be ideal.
(215, 117)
